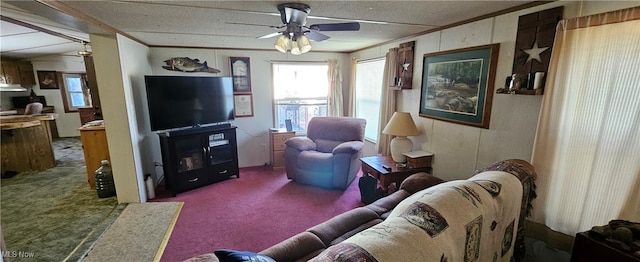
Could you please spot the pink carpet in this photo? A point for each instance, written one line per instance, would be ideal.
(254, 212)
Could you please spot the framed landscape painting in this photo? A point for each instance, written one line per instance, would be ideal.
(457, 85)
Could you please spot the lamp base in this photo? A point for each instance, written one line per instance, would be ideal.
(399, 145)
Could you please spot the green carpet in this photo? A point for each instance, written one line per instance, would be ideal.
(53, 215)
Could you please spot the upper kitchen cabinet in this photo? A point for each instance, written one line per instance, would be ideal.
(17, 72)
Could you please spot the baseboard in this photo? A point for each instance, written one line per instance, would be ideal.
(552, 238)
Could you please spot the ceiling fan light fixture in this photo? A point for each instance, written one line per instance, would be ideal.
(294, 48)
(282, 43)
(303, 44)
(84, 51)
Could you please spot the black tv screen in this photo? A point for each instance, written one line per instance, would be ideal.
(188, 101)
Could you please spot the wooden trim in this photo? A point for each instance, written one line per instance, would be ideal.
(41, 29)
(612, 17)
(63, 90)
(60, 6)
(92, 84)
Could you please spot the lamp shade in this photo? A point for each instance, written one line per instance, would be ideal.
(401, 124)
(294, 48)
(282, 43)
(303, 44)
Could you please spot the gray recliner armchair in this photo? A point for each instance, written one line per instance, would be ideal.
(329, 156)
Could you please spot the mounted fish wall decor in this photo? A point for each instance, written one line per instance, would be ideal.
(185, 64)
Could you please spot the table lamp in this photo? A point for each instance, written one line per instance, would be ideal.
(400, 125)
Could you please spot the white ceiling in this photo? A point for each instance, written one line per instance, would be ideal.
(208, 23)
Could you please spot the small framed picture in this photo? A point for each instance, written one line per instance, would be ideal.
(241, 74)
(47, 80)
(243, 104)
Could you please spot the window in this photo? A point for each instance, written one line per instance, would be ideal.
(368, 90)
(75, 92)
(300, 93)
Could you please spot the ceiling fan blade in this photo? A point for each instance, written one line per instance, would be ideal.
(315, 36)
(352, 26)
(270, 35)
(270, 26)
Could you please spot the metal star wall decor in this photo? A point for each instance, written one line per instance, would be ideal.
(405, 66)
(534, 52)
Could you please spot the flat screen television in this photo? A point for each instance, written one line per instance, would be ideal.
(188, 101)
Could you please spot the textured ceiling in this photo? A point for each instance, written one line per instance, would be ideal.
(210, 23)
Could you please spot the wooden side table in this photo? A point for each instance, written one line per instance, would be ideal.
(277, 140)
(95, 148)
(372, 166)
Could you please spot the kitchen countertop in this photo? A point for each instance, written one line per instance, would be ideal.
(27, 142)
(8, 112)
(22, 121)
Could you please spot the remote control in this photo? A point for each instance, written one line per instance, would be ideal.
(386, 167)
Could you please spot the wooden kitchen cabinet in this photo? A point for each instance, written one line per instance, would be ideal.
(277, 147)
(26, 73)
(17, 72)
(94, 145)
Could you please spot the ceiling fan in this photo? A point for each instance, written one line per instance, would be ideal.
(297, 34)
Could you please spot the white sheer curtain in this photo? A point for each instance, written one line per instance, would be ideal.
(336, 106)
(587, 147)
(352, 91)
(387, 100)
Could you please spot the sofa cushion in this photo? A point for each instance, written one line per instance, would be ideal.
(336, 128)
(296, 247)
(315, 161)
(419, 181)
(338, 225)
(350, 147)
(301, 143)
(345, 252)
(356, 230)
(386, 204)
(228, 255)
(326, 146)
